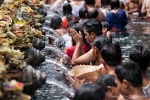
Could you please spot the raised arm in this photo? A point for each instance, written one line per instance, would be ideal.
(77, 58)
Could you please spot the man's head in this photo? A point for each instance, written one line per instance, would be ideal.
(111, 54)
(90, 92)
(108, 82)
(92, 13)
(83, 13)
(99, 43)
(140, 55)
(90, 2)
(128, 76)
(92, 29)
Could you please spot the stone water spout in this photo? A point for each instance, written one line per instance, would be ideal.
(33, 57)
(57, 82)
(32, 79)
(37, 43)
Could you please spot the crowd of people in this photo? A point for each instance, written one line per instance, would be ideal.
(89, 24)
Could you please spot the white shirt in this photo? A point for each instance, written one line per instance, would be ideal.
(123, 1)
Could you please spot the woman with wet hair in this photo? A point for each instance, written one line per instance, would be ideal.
(116, 18)
(56, 24)
(68, 16)
(85, 46)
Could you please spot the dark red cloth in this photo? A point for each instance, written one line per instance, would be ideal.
(71, 49)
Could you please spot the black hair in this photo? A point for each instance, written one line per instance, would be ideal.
(141, 55)
(90, 92)
(105, 3)
(60, 43)
(130, 71)
(105, 25)
(93, 25)
(92, 13)
(115, 4)
(82, 13)
(67, 11)
(56, 22)
(101, 41)
(71, 23)
(106, 80)
(111, 53)
(79, 27)
(89, 2)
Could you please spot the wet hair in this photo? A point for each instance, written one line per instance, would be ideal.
(101, 41)
(130, 71)
(105, 3)
(71, 23)
(115, 4)
(105, 25)
(67, 11)
(106, 80)
(56, 22)
(79, 27)
(60, 43)
(111, 53)
(141, 55)
(92, 13)
(90, 92)
(82, 13)
(93, 25)
(89, 2)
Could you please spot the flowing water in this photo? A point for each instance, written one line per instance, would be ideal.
(58, 87)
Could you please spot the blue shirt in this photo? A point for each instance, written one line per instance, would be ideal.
(118, 20)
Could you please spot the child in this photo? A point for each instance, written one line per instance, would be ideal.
(105, 29)
(141, 55)
(129, 80)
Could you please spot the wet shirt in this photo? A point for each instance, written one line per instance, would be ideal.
(75, 9)
(71, 49)
(118, 20)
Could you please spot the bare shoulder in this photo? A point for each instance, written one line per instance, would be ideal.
(101, 16)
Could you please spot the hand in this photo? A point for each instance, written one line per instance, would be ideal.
(77, 37)
(76, 83)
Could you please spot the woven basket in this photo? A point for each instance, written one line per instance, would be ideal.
(87, 72)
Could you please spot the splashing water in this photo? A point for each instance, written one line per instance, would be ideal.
(52, 31)
(69, 90)
(56, 53)
(57, 85)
